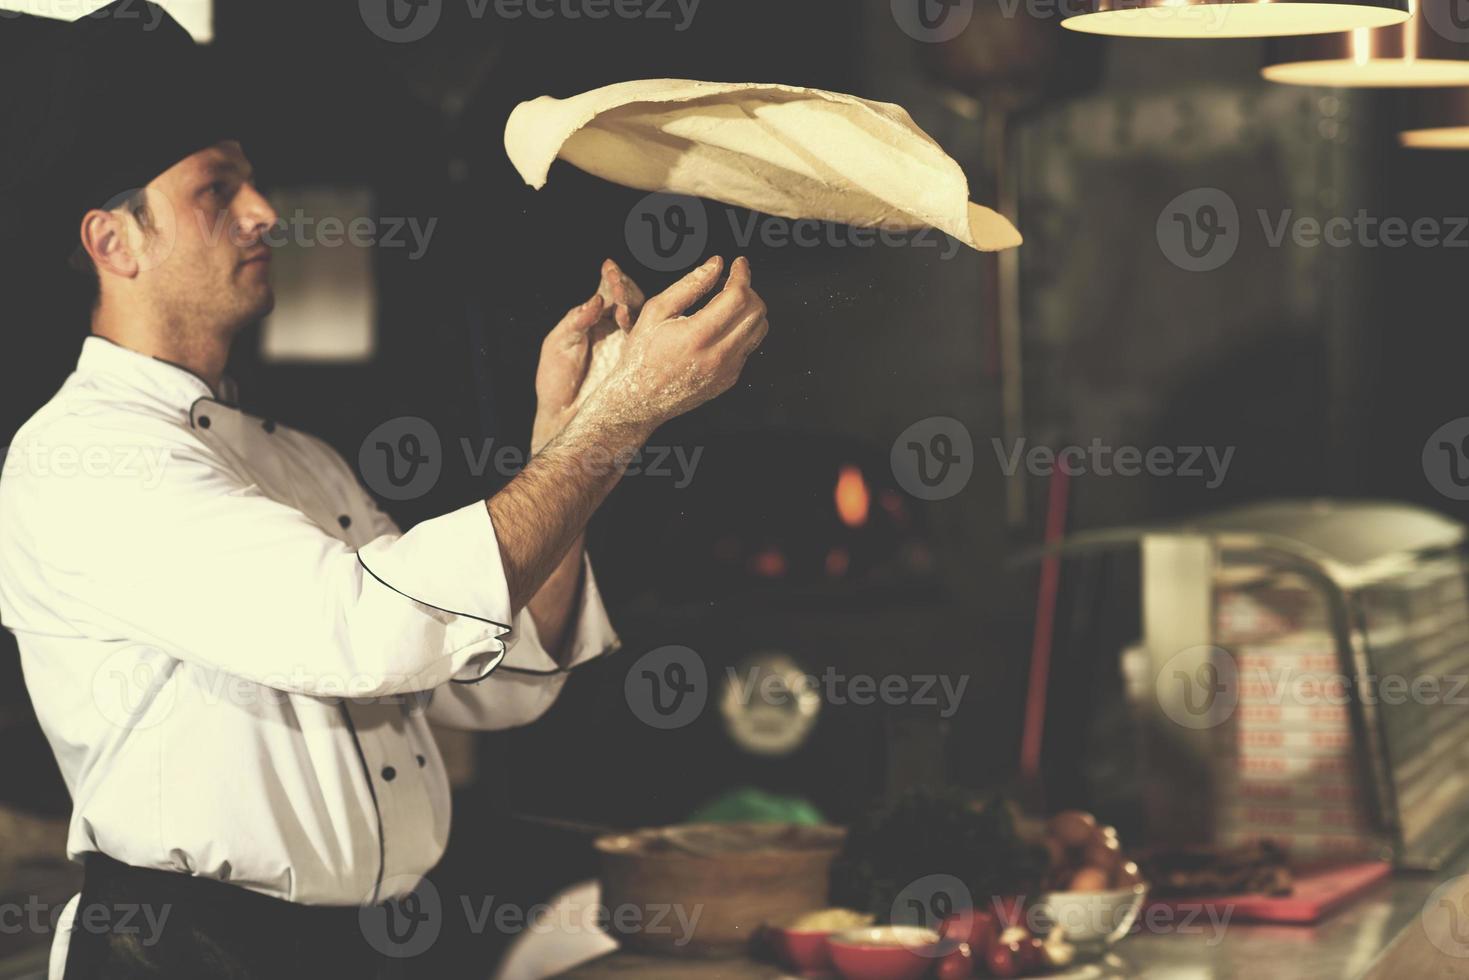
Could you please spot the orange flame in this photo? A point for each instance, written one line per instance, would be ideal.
(853, 499)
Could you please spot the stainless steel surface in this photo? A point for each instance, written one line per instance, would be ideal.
(1344, 947)
(1412, 754)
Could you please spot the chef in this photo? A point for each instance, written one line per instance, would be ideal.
(234, 653)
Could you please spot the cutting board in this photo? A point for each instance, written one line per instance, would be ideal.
(1316, 896)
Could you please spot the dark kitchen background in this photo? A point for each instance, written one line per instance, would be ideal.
(1325, 369)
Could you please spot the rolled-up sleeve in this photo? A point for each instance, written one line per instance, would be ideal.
(524, 685)
(201, 563)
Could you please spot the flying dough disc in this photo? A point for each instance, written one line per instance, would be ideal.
(799, 153)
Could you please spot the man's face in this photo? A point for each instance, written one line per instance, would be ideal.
(211, 262)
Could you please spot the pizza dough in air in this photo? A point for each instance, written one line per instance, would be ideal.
(797, 153)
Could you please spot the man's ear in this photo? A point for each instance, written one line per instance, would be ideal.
(106, 241)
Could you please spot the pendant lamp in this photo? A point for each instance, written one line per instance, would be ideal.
(1425, 51)
(1226, 19)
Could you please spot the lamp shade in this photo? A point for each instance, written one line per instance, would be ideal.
(1230, 18)
(1437, 120)
(1430, 49)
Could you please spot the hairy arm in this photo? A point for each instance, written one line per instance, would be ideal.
(540, 518)
(574, 361)
(668, 365)
(554, 606)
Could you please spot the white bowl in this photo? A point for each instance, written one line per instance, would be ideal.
(1093, 922)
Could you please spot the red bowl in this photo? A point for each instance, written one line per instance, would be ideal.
(799, 950)
(884, 952)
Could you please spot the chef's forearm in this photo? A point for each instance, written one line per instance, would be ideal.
(553, 607)
(544, 510)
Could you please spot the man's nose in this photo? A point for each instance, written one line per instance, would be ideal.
(256, 214)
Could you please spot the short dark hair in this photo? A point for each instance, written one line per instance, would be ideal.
(136, 205)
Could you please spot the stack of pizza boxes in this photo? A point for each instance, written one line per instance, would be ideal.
(1287, 768)
(1417, 625)
(1304, 678)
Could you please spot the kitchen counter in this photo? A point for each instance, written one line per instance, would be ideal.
(1380, 936)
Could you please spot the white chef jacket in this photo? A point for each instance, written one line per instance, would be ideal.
(195, 590)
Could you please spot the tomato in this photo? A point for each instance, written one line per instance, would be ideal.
(1009, 911)
(1106, 855)
(1072, 828)
(977, 928)
(1004, 960)
(1033, 957)
(1126, 876)
(1090, 880)
(957, 964)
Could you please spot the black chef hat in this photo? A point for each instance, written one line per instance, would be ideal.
(95, 109)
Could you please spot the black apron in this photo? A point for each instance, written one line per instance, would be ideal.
(135, 923)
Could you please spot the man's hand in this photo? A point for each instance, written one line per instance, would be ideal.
(671, 363)
(578, 353)
(576, 357)
(621, 294)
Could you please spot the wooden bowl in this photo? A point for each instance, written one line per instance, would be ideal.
(706, 889)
